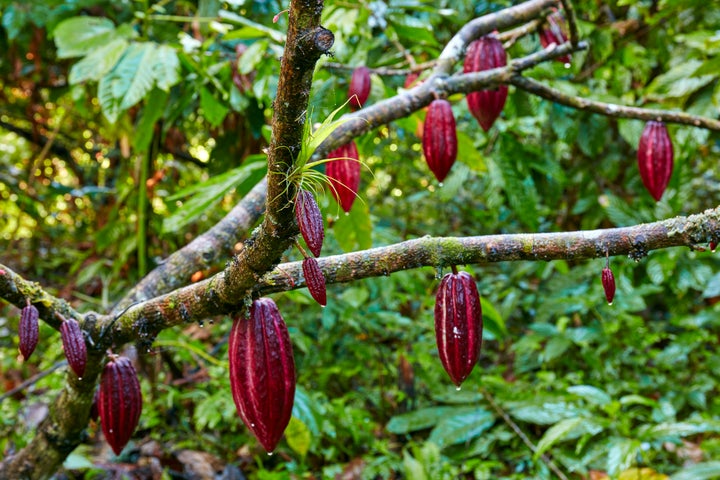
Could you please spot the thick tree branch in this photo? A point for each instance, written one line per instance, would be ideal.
(612, 109)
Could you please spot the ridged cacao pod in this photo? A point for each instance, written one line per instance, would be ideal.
(119, 402)
(439, 138)
(315, 280)
(458, 325)
(344, 174)
(262, 372)
(485, 54)
(608, 283)
(74, 345)
(310, 222)
(655, 158)
(359, 88)
(552, 32)
(28, 330)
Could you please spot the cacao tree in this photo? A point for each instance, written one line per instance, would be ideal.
(172, 165)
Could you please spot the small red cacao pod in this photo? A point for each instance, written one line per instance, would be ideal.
(608, 283)
(359, 89)
(262, 372)
(485, 54)
(28, 330)
(119, 402)
(315, 280)
(458, 325)
(712, 246)
(74, 345)
(552, 32)
(310, 222)
(439, 138)
(344, 174)
(655, 158)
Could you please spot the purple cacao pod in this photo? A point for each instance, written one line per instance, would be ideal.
(608, 283)
(310, 222)
(458, 325)
(439, 138)
(262, 372)
(359, 88)
(655, 158)
(485, 54)
(119, 402)
(344, 174)
(552, 33)
(28, 330)
(315, 280)
(74, 345)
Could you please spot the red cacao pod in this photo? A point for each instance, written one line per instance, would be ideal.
(608, 283)
(553, 33)
(485, 54)
(28, 330)
(458, 325)
(262, 372)
(712, 246)
(315, 280)
(74, 345)
(310, 222)
(439, 138)
(119, 402)
(359, 89)
(655, 158)
(344, 174)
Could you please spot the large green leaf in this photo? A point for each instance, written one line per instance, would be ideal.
(461, 427)
(79, 36)
(98, 62)
(701, 471)
(557, 433)
(424, 418)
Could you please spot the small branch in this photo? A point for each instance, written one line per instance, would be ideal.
(518, 431)
(611, 109)
(509, 37)
(571, 21)
(32, 380)
(41, 140)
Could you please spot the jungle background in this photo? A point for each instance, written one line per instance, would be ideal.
(127, 128)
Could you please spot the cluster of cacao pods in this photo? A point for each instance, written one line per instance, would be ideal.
(655, 158)
(458, 324)
(552, 32)
(310, 222)
(262, 372)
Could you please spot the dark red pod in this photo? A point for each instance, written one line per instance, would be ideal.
(485, 54)
(74, 345)
(458, 325)
(262, 372)
(310, 222)
(28, 330)
(552, 33)
(439, 138)
(119, 402)
(344, 174)
(608, 283)
(655, 158)
(359, 89)
(315, 280)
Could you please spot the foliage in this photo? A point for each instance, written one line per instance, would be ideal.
(156, 125)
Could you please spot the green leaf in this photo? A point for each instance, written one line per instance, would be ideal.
(591, 394)
(213, 109)
(129, 81)
(298, 436)
(306, 410)
(461, 427)
(98, 62)
(700, 471)
(252, 57)
(152, 111)
(211, 192)
(679, 81)
(413, 469)
(492, 320)
(678, 429)
(166, 67)
(78, 36)
(544, 414)
(354, 230)
(423, 418)
(622, 455)
(556, 433)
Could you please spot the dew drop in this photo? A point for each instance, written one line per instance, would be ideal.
(80, 378)
(347, 214)
(270, 454)
(440, 184)
(457, 389)
(110, 430)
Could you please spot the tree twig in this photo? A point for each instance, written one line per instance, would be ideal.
(32, 380)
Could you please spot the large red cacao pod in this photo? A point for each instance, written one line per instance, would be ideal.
(315, 280)
(74, 345)
(458, 325)
(655, 158)
(439, 138)
(344, 174)
(262, 372)
(28, 330)
(608, 283)
(119, 402)
(359, 89)
(552, 32)
(485, 54)
(310, 222)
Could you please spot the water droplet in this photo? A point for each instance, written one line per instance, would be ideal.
(438, 273)
(440, 184)
(80, 378)
(567, 65)
(457, 389)
(252, 425)
(347, 214)
(270, 454)
(110, 430)
(322, 306)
